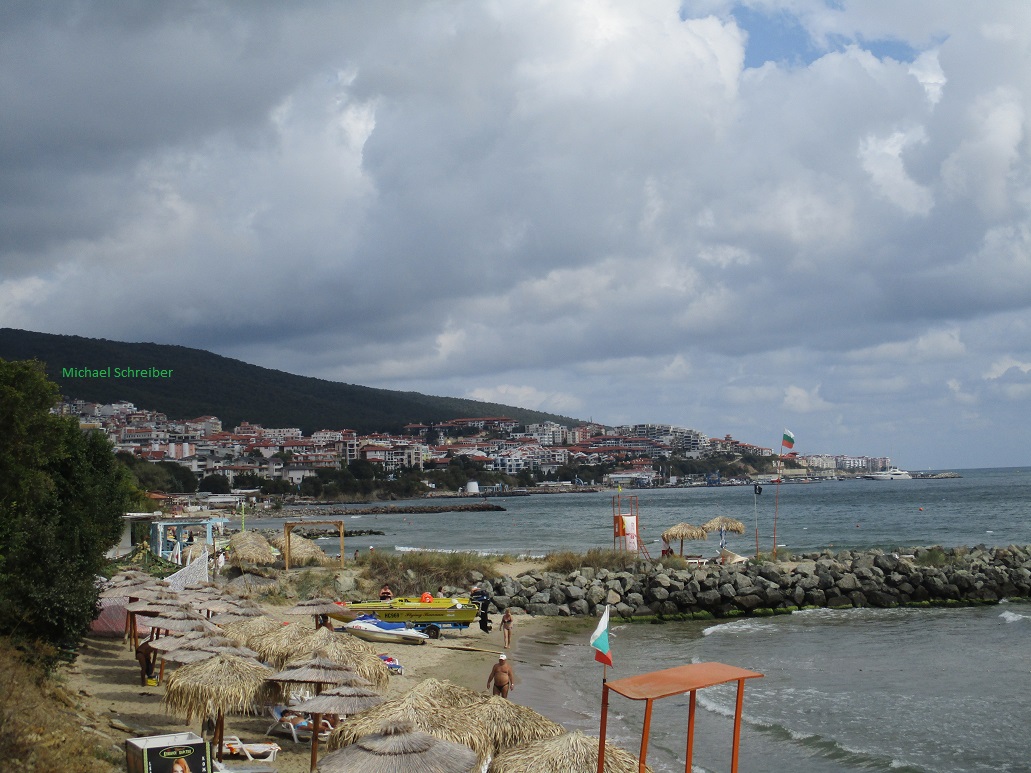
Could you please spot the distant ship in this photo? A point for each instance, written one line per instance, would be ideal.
(892, 473)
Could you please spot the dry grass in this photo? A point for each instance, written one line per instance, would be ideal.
(565, 561)
(411, 574)
(37, 731)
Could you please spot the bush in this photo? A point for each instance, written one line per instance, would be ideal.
(412, 574)
(36, 732)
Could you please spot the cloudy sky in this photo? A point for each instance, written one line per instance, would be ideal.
(732, 216)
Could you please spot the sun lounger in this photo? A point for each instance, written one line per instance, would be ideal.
(252, 751)
(299, 732)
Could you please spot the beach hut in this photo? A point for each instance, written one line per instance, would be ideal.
(214, 687)
(683, 531)
(399, 747)
(569, 752)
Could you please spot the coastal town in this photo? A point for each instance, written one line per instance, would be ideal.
(632, 455)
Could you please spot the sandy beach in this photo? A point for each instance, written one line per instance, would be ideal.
(105, 682)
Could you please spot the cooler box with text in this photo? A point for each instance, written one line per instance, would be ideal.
(175, 753)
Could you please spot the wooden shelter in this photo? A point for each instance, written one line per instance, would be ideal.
(656, 685)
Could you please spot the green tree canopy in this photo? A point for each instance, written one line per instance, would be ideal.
(62, 495)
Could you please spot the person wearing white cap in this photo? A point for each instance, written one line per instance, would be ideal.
(502, 676)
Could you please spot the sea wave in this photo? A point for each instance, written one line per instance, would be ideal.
(828, 748)
(1013, 617)
(750, 625)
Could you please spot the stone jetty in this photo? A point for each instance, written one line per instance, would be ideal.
(844, 579)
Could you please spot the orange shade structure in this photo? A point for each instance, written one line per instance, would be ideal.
(656, 685)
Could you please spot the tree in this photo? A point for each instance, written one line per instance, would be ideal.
(62, 496)
(214, 484)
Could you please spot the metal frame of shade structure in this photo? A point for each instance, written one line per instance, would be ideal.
(656, 685)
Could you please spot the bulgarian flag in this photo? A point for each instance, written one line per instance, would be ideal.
(789, 439)
(600, 640)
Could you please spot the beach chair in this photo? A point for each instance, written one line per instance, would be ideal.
(265, 752)
(300, 732)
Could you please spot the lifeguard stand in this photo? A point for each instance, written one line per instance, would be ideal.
(626, 525)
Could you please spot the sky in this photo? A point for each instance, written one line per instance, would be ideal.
(737, 217)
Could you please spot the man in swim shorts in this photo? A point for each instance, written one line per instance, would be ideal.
(502, 676)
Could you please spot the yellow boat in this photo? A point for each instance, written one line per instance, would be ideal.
(459, 611)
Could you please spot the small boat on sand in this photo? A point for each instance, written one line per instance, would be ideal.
(459, 610)
(370, 628)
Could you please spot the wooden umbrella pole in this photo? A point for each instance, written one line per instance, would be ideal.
(316, 727)
(220, 732)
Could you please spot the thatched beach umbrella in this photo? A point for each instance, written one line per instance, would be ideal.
(345, 700)
(280, 645)
(241, 631)
(683, 531)
(400, 748)
(355, 654)
(506, 724)
(318, 671)
(420, 710)
(315, 608)
(447, 693)
(180, 620)
(250, 547)
(723, 524)
(303, 551)
(218, 686)
(570, 752)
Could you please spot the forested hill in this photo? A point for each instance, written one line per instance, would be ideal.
(203, 383)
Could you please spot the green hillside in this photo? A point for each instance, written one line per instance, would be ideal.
(203, 383)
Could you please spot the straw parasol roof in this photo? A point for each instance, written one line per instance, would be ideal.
(722, 522)
(301, 642)
(344, 700)
(400, 748)
(570, 752)
(180, 620)
(303, 552)
(250, 547)
(314, 670)
(506, 724)
(319, 606)
(241, 631)
(447, 693)
(280, 645)
(225, 683)
(683, 531)
(420, 710)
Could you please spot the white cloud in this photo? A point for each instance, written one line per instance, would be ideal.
(882, 159)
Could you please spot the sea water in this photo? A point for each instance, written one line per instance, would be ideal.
(911, 690)
(982, 506)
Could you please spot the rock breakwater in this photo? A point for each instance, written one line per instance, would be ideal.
(834, 580)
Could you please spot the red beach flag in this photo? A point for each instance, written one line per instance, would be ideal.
(789, 439)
